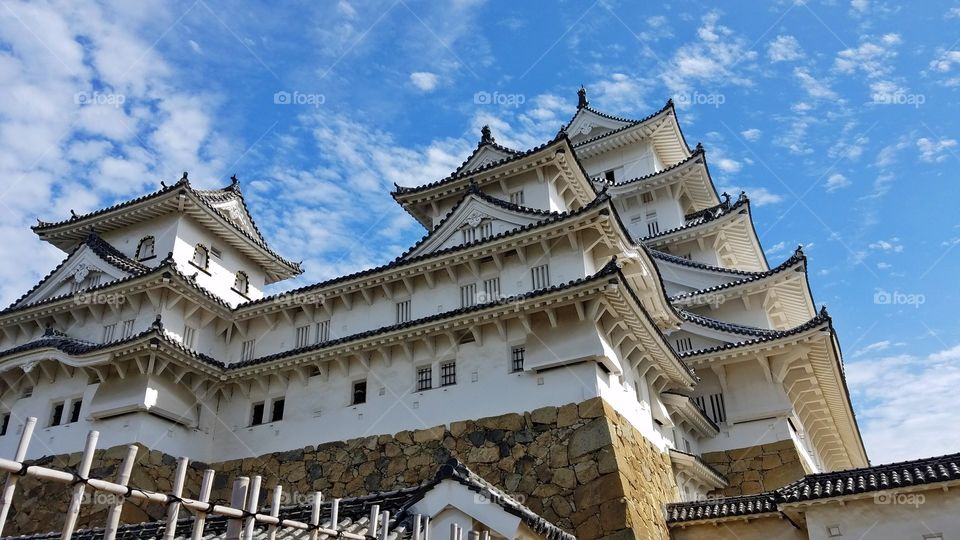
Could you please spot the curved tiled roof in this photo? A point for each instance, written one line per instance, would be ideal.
(706, 215)
(758, 335)
(697, 153)
(486, 141)
(630, 121)
(207, 197)
(102, 249)
(668, 257)
(403, 190)
(549, 217)
(822, 486)
(797, 258)
(721, 508)
(609, 269)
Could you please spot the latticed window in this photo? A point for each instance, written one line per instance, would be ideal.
(448, 373)
(201, 257)
(491, 289)
(540, 276)
(323, 331)
(108, 332)
(712, 405)
(127, 329)
(653, 226)
(424, 378)
(247, 349)
(516, 359)
(684, 344)
(303, 335)
(646, 197)
(403, 311)
(517, 197)
(468, 295)
(189, 335)
(480, 232)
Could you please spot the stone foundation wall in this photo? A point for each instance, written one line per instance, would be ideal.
(757, 468)
(581, 466)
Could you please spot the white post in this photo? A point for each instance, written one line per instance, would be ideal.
(374, 520)
(113, 515)
(473, 535)
(315, 515)
(454, 533)
(384, 525)
(485, 535)
(416, 527)
(12, 478)
(173, 509)
(206, 486)
(426, 527)
(275, 510)
(335, 514)
(253, 499)
(237, 499)
(70, 521)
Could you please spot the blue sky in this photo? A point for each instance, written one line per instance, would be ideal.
(838, 118)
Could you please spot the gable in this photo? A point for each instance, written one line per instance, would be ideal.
(235, 211)
(484, 156)
(82, 269)
(587, 124)
(475, 218)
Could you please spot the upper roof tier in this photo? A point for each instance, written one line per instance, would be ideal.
(222, 211)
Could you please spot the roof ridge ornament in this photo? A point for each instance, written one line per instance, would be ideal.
(234, 182)
(184, 179)
(582, 98)
(157, 323)
(486, 137)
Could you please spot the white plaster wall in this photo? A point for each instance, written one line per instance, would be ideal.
(221, 271)
(889, 516)
(163, 229)
(631, 161)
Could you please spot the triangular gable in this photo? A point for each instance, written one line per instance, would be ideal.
(483, 156)
(476, 217)
(587, 123)
(82, 269)
(236, 212)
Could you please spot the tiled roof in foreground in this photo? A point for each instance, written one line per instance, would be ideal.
(822, 486)
(354, 513)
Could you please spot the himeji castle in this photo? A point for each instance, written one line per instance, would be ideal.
(588, 333)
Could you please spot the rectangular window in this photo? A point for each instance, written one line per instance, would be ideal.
(256, 414)
(4, 423)
(276, 412)
(486, 230)
(108, 332)
(424, 378)
(403, 311)
(684, 344)
(491, 289)
(448, 373)
(247, 349)
(712, 405)
(653, 227)
(75, 411)
(469, 235)
(215, 251)
(480, 232)
(609, 176)
(127, 329)
(303, 336)
(517, 197)
(541, 276)
(359, 392)
(189, 334)
(646, 197)
(323, 331)
(56, 414)
(468, 295)
(516, 359)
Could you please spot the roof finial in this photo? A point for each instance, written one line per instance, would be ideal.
(184, 178)
(799, 251)
(726, 197)
(582, 97)
(163, 184)
(485, 135)
(234, 180)
(73, 215)
(157, 323)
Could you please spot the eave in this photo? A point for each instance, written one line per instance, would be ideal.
(687, 410)
(690, 176)
(662, 128)
(179, 198)
(806, 362)
(697, 469)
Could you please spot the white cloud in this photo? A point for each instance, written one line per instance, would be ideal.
(751, 134)
(717, 57)
(859, 6)
(887, 393)
(728, 165)
(424, 80)
(888, 154)
(935, 151)
(952, 13)
(836, 181)
(890, 246)
(784, 48)
(776, 248)
(884, 266)
(945, 61)
(815, 88)
(873, 347)
(873, 56)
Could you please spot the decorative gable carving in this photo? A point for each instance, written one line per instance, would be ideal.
(587, 124)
